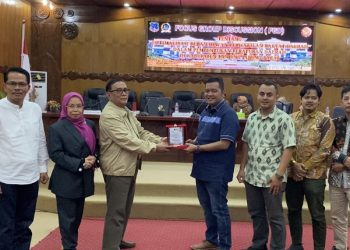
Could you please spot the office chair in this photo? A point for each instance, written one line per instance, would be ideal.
(131, 99)
(185, 100)
(199, 105)
(338, 111)
(102, 101)
(285, 106)
(91, 101)
(153, 104)
(147, 94)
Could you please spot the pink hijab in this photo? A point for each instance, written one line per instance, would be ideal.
(80, 124)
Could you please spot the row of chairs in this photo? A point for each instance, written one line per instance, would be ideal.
(186, 100)
(95, 99)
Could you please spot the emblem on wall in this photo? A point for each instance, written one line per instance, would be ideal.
(43, 12)
(58, 13)
(70, 30)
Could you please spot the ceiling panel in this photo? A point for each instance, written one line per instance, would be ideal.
(315, 5)
(210, 4)
(331, 5)
(172, 3)
(295, 4)
(249, 4)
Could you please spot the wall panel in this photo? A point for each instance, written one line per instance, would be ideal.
(11, 17)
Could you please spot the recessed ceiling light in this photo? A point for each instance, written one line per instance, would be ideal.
(231, 7)
(126, 5)
(45, 2)
(10, 2)
(338, 10)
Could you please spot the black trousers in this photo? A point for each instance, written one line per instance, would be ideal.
(70, 212)
(17, 209)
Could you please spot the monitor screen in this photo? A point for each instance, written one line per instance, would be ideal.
(229, 48)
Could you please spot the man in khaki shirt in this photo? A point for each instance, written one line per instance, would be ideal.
(122, 141)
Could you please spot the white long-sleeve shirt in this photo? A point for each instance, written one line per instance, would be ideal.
(23, 152)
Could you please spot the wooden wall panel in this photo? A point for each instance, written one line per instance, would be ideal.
(11, 17)
(332, 51)
(106, 47)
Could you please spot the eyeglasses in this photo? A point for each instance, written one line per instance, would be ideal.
(120, 91)
(19, 84)
(78, 106)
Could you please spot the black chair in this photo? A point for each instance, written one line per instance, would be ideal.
(147, 94)
(91, 101)
(185, 100)
(285, 106)
(155, 103)
(131, 99)
(103, 101)
(199, 105)
(234, 96)
(338, 111)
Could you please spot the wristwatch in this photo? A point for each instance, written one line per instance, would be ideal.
(198, 148)
(293, 163)
(279, 177)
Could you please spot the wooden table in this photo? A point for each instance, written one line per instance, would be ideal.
(156, 124)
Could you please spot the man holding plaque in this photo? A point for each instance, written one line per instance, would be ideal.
(213, 164)
(122, 141)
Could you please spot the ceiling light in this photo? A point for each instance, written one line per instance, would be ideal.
(10, 2)
(337, 10)
(45, 2)
(231, 7)
(126, 5)
(51, 6)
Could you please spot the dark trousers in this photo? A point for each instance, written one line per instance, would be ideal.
(264, 209)
(212, 197)
(120, 192)
(17, 208)
(70, 212)
(313, 190)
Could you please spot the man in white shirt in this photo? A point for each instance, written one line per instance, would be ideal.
(23, 160)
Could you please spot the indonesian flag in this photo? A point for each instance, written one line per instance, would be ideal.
(25, 58)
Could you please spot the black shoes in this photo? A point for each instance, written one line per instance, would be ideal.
(127, 244)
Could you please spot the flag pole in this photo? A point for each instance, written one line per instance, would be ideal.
(25, 64)
(23, 38)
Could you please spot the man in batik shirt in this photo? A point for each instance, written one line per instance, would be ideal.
(339, 175)
(268, 143)
(307, 171)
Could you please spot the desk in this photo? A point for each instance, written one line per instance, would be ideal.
(156, 124)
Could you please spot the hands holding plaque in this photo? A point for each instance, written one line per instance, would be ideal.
(163, 145)
(176, 135)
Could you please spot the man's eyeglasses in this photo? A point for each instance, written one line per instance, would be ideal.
(120, 90)
(78, 106)
(19, 84)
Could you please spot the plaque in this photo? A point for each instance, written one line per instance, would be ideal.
(176, 135)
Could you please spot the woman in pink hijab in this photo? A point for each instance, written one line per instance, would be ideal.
(72, 146)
